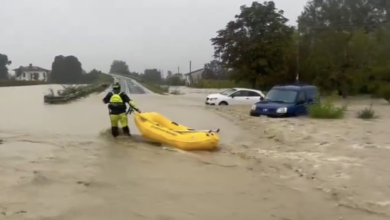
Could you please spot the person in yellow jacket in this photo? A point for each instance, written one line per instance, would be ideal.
(116, 101)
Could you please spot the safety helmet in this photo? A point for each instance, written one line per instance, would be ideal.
(116, 85)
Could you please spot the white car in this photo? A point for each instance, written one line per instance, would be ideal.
(235, 96)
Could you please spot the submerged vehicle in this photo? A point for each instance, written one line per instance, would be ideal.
(235, 96)
(286, 101)
(155, 127)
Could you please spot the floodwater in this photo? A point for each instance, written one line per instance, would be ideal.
(59, 162)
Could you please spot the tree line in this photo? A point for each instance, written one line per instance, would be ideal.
(338, 45)
(149, 75)
(213, 70)
(64, 70)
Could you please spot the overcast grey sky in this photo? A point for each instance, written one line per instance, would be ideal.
(161, 34)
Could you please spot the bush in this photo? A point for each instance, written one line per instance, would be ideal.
(384, 92)
(176, 92)
(69, 90)
(326, 109)
(175, 81)
(366, 113)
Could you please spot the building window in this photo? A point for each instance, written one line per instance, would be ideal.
(24, 75)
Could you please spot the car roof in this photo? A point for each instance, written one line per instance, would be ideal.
(295, 87)
(253, 90)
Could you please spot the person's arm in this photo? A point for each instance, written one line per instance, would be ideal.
(127, 99)
(107, 98)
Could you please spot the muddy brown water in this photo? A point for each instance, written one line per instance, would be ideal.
(59, 162)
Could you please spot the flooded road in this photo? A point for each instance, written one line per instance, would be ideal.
(59, 162)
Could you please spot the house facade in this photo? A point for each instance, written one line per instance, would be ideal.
(31, 73)
(194, 76)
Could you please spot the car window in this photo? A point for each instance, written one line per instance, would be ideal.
(228, 92)
(281, 95)
(240, 93)
(253, 94)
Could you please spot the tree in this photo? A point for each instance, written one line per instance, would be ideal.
(4, 62)
(256, 44)
(18, 72)
(152, 75)
(175, 80)
(214, 70)
(169, 74)
(343, 66)
(66, 69)
(119, 66)
(336, 43)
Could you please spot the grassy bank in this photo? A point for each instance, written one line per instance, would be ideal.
(104, 78)
(12, 82)
(74, 92)
(159, 89)
(218, 84)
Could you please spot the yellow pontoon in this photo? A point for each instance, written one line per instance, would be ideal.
(156, 127)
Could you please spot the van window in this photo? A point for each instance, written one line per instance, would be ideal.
(302, 97)
(280, 95)
(311, 94)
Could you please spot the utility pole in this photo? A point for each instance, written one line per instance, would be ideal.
(178, 69)
(190, 65)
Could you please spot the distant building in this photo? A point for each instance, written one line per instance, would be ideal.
(194, 76)
(31, 73)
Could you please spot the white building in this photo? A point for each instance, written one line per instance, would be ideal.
(194, 76)
(31, 73)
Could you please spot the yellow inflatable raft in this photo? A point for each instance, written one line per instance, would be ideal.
(156, 127)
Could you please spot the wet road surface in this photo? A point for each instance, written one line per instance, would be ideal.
(59, 162)
(131, 86)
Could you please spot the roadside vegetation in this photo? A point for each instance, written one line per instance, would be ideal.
(159, 89)
(367, 113)
(326, 109)
(176, 91)
(77, 83)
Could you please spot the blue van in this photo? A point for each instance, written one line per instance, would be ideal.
(286, 100)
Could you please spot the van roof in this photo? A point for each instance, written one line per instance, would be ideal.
(298, 86)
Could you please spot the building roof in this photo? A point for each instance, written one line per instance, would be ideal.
(31, 68)
(193, 72)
